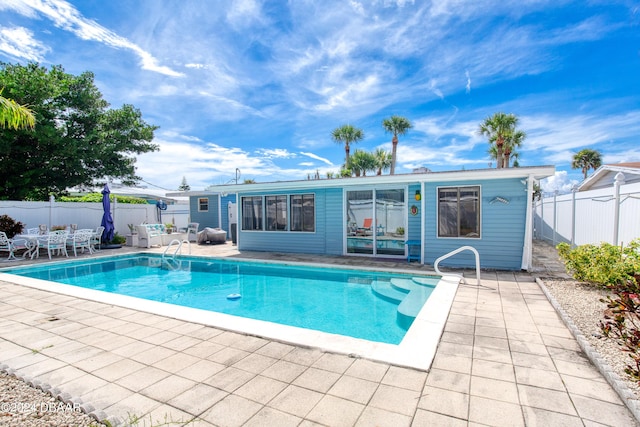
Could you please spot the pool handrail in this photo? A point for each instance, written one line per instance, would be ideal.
(179, 248)
(454, 252)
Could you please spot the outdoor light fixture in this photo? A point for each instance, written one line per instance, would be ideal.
(418, 196)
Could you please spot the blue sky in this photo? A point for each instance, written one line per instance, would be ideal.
(259, 85)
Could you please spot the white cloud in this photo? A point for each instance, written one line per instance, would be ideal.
(281, 153)
(18, 42)
(244, 13)
(560, 182)
(66, 16)
(316, 157)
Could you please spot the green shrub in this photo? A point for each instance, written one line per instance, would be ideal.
(118, 239)
(618, 269)
(97, 198)
(10, 226)
(604, 265)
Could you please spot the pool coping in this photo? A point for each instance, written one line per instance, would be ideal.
(416, 350)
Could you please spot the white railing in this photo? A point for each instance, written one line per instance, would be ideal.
(178, 249)
(457, 251)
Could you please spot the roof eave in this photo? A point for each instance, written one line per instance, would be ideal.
(537, 172)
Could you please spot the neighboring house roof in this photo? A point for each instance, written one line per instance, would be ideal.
(605, 175)
(537, 172)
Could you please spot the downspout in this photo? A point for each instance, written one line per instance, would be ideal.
(527, 249)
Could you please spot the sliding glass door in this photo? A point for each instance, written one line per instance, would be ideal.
(376, 222)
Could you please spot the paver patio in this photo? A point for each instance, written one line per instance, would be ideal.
(505, 359)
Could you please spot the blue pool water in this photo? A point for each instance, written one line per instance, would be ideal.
(339, 301)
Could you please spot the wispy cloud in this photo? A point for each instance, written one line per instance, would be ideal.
(19, 43)
(64, 15)
(316, 157)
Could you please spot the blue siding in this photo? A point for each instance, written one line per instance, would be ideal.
(205, 219)
(323, 241)
(502, 226)
(413, 221)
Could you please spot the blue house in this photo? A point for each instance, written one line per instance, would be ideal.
(374, 216)
(210, 209)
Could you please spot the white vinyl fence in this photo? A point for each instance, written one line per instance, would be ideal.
(89, 215)
(605, 215)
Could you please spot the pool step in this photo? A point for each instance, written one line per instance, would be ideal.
(410, 293)
(387, 291)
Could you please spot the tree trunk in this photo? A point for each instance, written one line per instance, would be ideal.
(394, 143)
(346, 157)
(499, 153)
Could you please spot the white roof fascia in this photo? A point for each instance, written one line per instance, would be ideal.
(537, 172)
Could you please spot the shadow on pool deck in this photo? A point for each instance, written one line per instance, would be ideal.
(505, 358)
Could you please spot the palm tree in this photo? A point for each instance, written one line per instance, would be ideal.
(15, 116)
(512, 142)
(395, 125)
(361, 162)
(383, 160)
(498, 128)
(347, 134)
(586, 159)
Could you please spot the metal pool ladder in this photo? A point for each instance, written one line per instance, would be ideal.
(178, 249)
(454, 252)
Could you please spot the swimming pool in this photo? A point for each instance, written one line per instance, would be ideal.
(351, 311)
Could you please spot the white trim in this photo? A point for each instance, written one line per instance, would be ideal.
(538, 172)
(527, 248)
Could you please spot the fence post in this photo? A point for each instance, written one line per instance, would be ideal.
(555, 216)
(542, 218)
(619, 180)
(574, 189)
(52, 201)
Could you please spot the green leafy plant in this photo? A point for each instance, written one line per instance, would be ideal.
(97, 198)
(400, 231)
(622, 322)
(10, 226)
(118, 239)
(603, 265)
(616, 268)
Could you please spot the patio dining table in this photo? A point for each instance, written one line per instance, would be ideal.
(33, 244)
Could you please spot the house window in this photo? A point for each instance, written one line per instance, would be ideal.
(276, 213)
(252, 213)
(203, 205)
(459, 212)
(303, 212)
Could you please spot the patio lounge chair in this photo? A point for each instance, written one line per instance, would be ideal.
(366, 229)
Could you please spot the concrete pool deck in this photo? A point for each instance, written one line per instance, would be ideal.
(505, 358)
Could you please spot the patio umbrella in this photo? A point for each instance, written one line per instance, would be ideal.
(107, 220)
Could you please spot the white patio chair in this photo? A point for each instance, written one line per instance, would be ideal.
(96, 238)
(11, 245)
(33, 231)
(55, 241)
(43, 229)
(192, 230)
(81, 239)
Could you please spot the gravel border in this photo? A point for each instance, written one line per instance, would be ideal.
(580, 308)
(25, 403)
